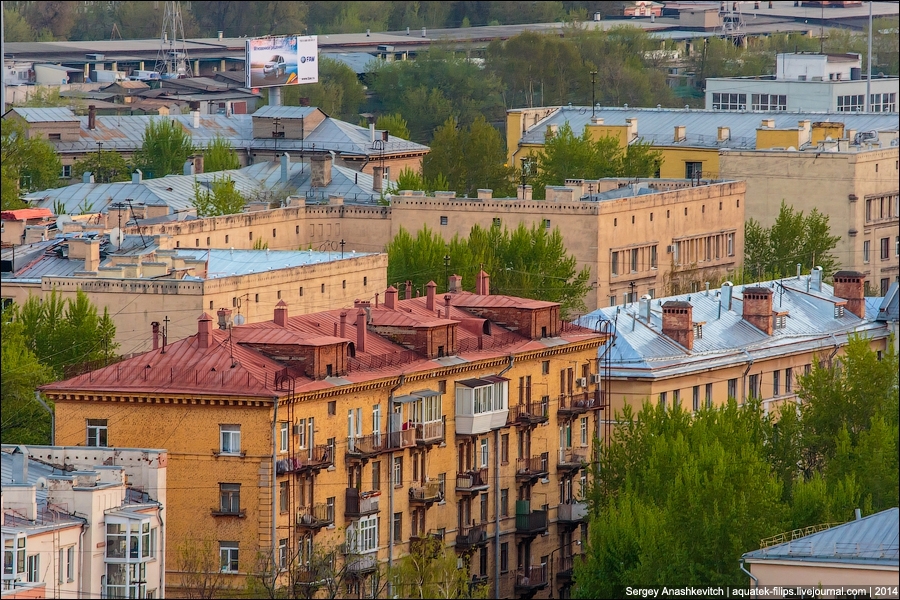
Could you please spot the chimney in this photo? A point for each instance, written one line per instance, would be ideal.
(484, 194)
(91, 255)
(483, 284)
(224, 315)
(758, 308)
(377, 181)
(644, 308)
(596, 120)
(724, 134)
(87, 177)
(678, 322)
(219, 34)
(286, 169)
(320, 171)
(429, 295)
(850, 286)
(815, 277)
(204, 331)
(390, 298)
(136, 177)
(632, 128)
(19, 465)
(92, 117)
(343, 330)
(361, 330)
(447, 305)
(805, 128)
(767, 124)
(408, 291)
(188, 168)
(727, 289)
(281, 314)
(680, 133)
(155, 326)
(198, 163)
(455, 284)
(372, 131)
(195, 117)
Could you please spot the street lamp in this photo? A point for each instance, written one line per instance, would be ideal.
(554, 551)
(447, 271)
(593, 88)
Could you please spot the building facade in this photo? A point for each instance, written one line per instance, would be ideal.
(84, 522)
(358, 433)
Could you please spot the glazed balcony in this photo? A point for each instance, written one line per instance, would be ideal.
(529, 413)
(532, 523)
(534, 467)
(429, 433)
(358, 564)
(426, 494)
(472, 481)
(471, 537)
(532, 579)
(571, 459)
(359, 504)
(572, 512)
(315, 516)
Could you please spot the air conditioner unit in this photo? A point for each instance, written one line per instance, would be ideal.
(595, 378)
(582, 381)
(296, 429)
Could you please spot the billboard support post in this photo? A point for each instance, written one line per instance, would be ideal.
(275, 96)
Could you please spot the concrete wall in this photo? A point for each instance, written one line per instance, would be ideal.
(813, 575)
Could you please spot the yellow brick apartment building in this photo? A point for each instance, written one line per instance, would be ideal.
(464, 417)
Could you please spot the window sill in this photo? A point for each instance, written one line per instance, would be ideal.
(218, 513)
(241, 454)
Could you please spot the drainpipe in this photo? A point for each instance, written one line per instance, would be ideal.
(391, 482)
(744, 376)
(161, 547)
(274, 490)
(37, 396)
(837, 346)
(755, 580)
(512, 359)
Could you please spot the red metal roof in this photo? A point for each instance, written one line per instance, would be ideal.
(468, 299)
(26, 214)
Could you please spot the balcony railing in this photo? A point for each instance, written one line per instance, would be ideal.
(533, 577)
(571, 459)
(315, 516)
(357, 563)
(427, 493)
(314, 459)
(571, 512)
(530, 413)
(429, 433)
(359, 504)
(475, 480)
(469, 537)
(577, 403)
(533, 467)
(531, 523)
(366, 446)
(566, 566)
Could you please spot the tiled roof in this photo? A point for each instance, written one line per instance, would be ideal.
(872, 540)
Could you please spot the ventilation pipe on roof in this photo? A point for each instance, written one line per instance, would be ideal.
(343, 330)
(155, 326)
(430, 288)
(447, 306)
(361, 330)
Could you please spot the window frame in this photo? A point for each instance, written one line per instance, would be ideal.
(100, 433)
(232, 433)
(229, 557)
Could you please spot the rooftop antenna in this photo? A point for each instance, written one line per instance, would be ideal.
(138, 225)
(172, 60)
(115, 32)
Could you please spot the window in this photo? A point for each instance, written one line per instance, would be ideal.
(54, 136)
(653, 257)
(365, 281)
(483, 561)
(776, 383)
(398, 527)
(788, 380)
(282, 553)
(612, 300)
(283, 496)
(97, 433)
(504, 557)
(676, 398)
(662, 399)
(70, 563)
(693, 170)
(584, 431)
(301, 433)
(729, 241)
(230, 498)
(442, 484)
(615, 264)
(365, 534)
(14, 555)
(729, 102)
(768, 102)
(504, 502)
(323, 288)
(883, 102)
(226, 238)
(546, 223)
(230, 439)
(484, 452)
(634, 260)
(283, 438)
(398, 471)
(885, 284)
(866, 251)
(256, 297)
(444, 220)
(33, 568)
(504, 448)
(376, 475)
(301, 290)
(885, 248)
(696, 398)
(66, 172)
(495, 222)
(708, 395)
(732, 388)
(484, 507)
(754, 386)
(228, 557)
(343, 284)
(852, 103)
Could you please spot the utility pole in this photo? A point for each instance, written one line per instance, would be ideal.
(593, 90)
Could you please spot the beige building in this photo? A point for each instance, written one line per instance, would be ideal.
(167, 285)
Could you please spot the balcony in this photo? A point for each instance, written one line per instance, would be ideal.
(359, 504)
(571, 512)
(577, 403)
(426, 494)
(529, 413)
(307, 461)
(315, 516)
(532, 579)
(358, 564)
(565, 567)
(571, 459)
(531, 524)
(367, 446)
(471, 537)
(528, 469)
(481, 405)
(429, 433)
(472, 481)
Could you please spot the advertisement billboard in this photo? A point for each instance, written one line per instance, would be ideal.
(282, 60)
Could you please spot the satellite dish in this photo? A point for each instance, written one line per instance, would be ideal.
(41, 483)
(239, 320)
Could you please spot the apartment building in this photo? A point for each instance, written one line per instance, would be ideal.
(467, 418)
(84, 522)
(754, 340)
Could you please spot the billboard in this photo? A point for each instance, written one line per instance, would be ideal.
(282, 60)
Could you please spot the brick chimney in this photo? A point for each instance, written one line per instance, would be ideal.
(758, 308)
(204, 331)
(408, 291)
(91, 254)
(850, 285)
(224, 315)
(390, 298)
(678, 322)
(343, 330)
(377, 179)
(155, 326)
(281, 314)
(455, 284)
(447, 298)
(92, 117)
(483, 284)
(361, 330)
(430, 288)
(320, 171)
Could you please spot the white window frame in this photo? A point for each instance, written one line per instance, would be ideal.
(282, 553)
(584, 431)
(97, 433)
(33, 568)
(485, 452)
(285, 432)
(229, 555)
(301, 433)
(229, 439)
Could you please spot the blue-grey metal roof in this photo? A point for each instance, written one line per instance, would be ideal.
(640, 349)
(352, 185)
(872, 540)
(656, 125)
(45, 115)
(889, 309)
(228, 263)
(359, 62)
(285, 112)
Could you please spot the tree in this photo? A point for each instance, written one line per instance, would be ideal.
(107, 167)
(217, 197)
(793, 239)
(165, 148)
(338, 92)
(24, 420)
(430, 571)
(394, 124)
(202, 576)
(16, 27)
(29, 164)
(220, 156)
